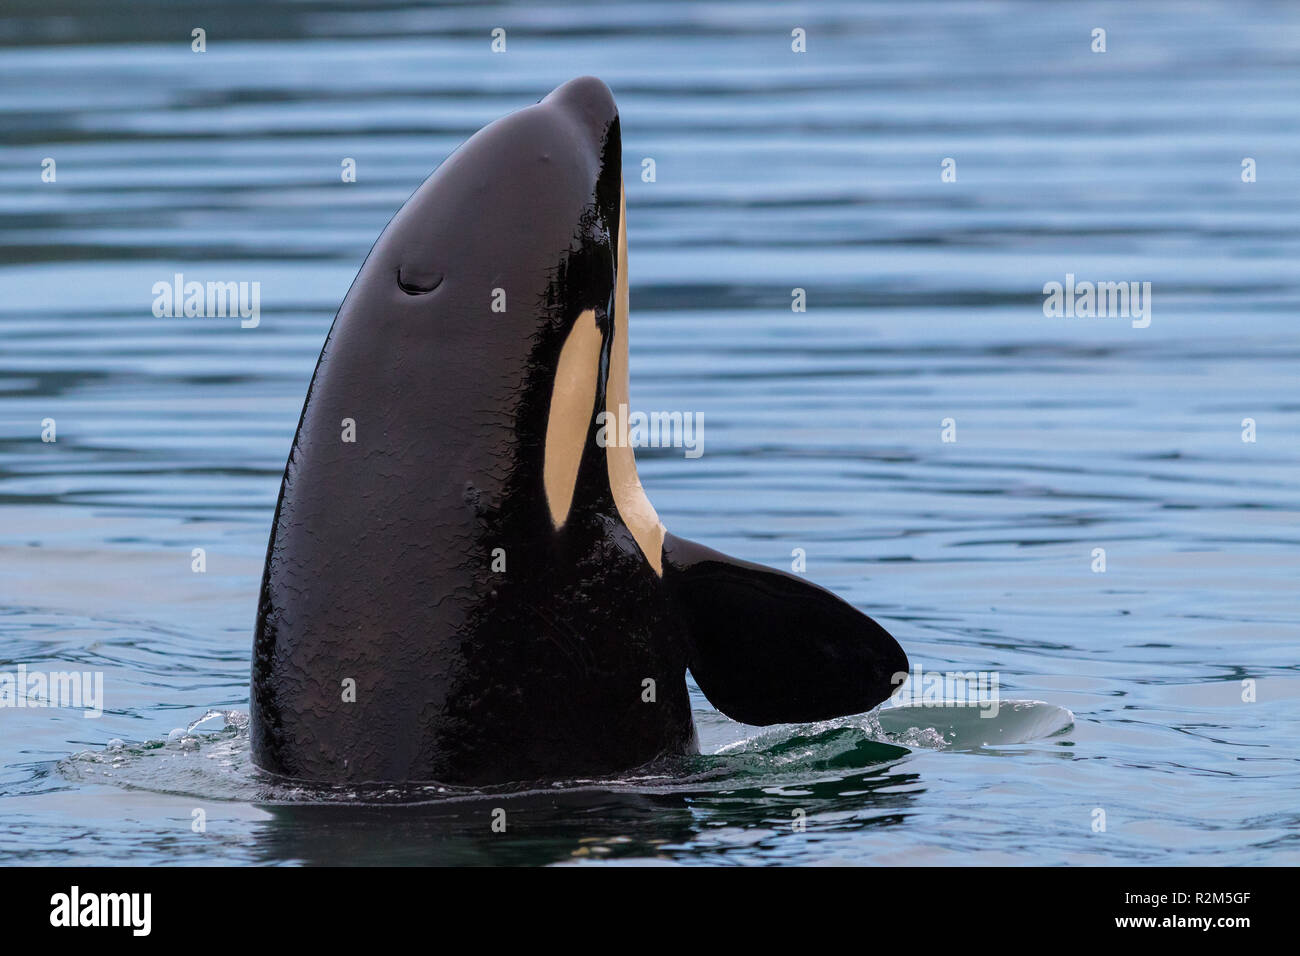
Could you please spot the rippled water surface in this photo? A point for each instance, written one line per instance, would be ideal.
(775, 171)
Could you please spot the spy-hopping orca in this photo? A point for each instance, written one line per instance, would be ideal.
(463, 584)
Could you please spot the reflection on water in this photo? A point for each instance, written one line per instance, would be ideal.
(774, 171)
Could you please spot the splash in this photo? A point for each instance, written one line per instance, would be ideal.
(213, 761)
(945, 725)
(958, 726)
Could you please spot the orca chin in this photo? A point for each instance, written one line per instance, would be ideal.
(462, 583)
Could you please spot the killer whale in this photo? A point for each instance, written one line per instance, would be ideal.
(461, 584)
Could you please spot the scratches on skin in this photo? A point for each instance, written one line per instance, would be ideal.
(554, 631)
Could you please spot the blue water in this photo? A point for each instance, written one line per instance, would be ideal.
(775, 171)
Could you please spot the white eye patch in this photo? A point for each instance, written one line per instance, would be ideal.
(572, 401)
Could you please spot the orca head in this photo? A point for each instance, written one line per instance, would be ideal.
(531, 210)
(504, 278)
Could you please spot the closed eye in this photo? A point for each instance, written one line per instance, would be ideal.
(417, 283)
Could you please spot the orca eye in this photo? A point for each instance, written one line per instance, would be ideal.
(417, 281)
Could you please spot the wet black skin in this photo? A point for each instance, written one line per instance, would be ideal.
(379, 568)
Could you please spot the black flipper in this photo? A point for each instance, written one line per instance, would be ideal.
(768, 647)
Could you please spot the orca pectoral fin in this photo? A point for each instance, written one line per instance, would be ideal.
(768, 647)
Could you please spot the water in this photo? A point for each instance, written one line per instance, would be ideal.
(774, 171)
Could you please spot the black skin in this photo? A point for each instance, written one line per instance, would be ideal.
(379, 567)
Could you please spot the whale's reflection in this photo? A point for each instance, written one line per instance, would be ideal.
(572, 826)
